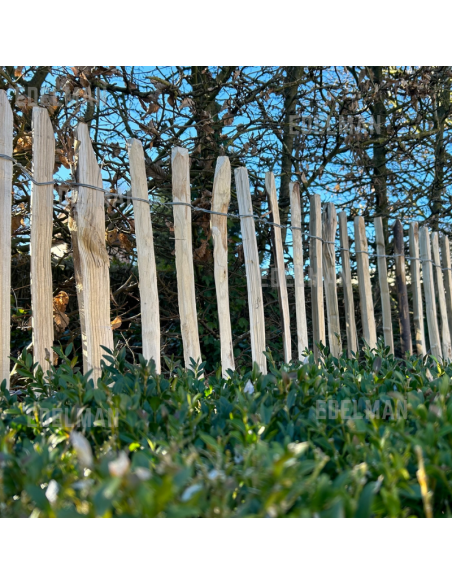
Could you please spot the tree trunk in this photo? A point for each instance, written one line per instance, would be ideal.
(442, 109)
(379, 177)
(290, 94)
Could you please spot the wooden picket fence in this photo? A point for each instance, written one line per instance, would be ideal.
(91, 262)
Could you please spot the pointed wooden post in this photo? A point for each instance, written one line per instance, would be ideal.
(298, 263)
(280, 266)
(253, 272)
(402, 293)
(149, 297)
(316, 273)
(447, 270)
(365, 288)
(184, 256)
(429, 292)
(91, 261)
(418, 313)
(383, 281)
(6, 178)
(445, 332)
(41, 228)
(219, 226)
(329, 279)
(350, 325)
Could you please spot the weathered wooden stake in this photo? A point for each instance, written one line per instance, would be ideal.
(91, 261)
(149, 298)
(41, 228)
(6, 177)
(402, 293)
(445, 332)
(252, 265)
(365, 289)
(280, 266)
(447, 270)
(350, 325)
(418, 312)
(329, 226)
(429, 293)
(316, 273)
(184, 256)
(219, 225)
(383, 281)
(298, 263)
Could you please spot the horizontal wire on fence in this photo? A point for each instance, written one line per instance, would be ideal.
(256, 218)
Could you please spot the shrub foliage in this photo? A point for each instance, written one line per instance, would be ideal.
(181, 445)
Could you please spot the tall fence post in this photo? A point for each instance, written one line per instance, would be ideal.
(429, 292)
(252, 265)
(41, 228)
(316, 273)
(91, 261)
(445, 332)
(402, 293)
(418, 312)
(219, 226)
(298, 263)
(184, 256)
(149, 298)
(383, 281)
(6, 178)
(445, 256)
(329, 226)
(280, 266)
(365, 289)
(350, 323)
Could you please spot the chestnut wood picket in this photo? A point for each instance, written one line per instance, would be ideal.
(6, 179)
(41, 225)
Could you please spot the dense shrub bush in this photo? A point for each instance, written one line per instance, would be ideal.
(140, 444)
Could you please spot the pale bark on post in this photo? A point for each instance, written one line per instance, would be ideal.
(445, 257)
(221, 195)
(445, 331)
(252, 266)
(402, 293)
(41, 227)
(184, 256)
(298, 263)
(418, 312)
(316, 273)
(429, 292)
(91, 261)
(280, 266)
(149, 298)
(365, 289)
(329, 278)
(384, 286)
(350, 323)
(6, 177)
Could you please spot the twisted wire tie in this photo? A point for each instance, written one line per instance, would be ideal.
(256, 218)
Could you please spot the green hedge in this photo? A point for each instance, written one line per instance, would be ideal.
(143, 445)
